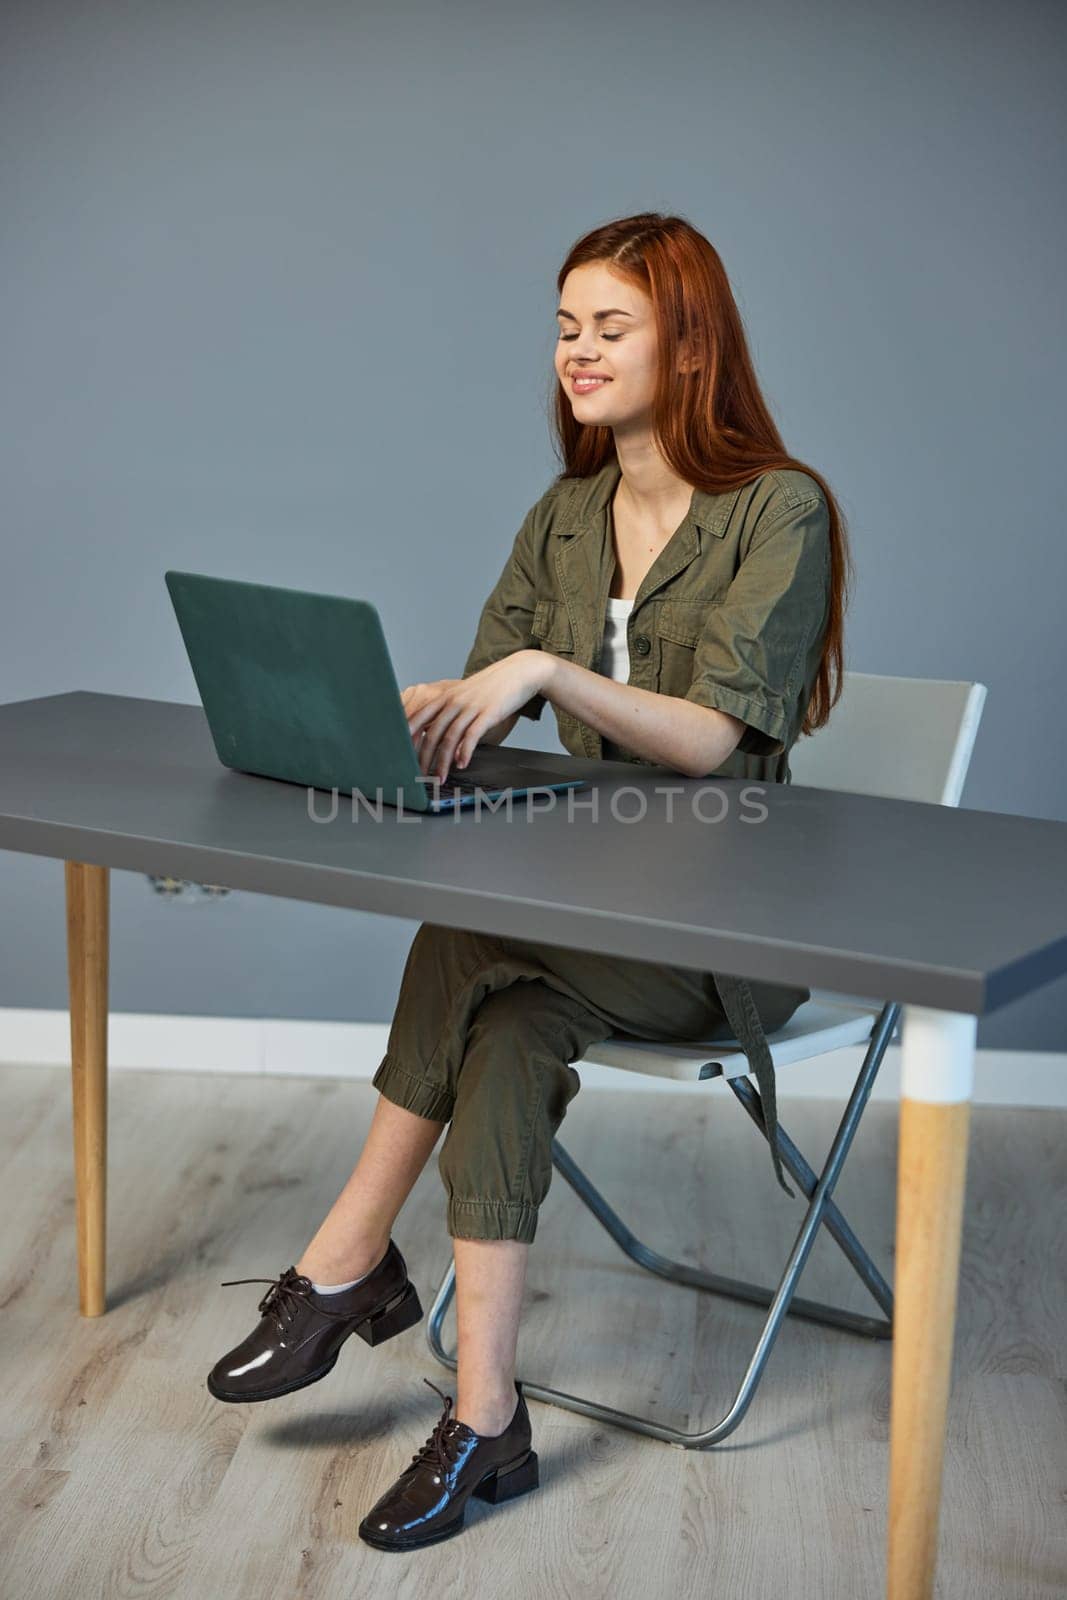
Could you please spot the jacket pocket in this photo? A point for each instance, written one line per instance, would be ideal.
(551, 626)
(678, 629)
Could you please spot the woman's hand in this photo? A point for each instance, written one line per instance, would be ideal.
(448, 717)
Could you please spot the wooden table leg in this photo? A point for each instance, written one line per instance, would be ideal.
(87, 968)
(937, 1057)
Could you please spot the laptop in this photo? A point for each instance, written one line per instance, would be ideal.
(300, 686)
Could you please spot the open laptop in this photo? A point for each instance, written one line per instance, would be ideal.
(300, 686)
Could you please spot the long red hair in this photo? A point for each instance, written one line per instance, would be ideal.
(712, 425)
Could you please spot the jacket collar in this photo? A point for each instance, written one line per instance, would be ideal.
(589, 499)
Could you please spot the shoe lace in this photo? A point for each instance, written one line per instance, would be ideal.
(284, 1297)
(434, 1449)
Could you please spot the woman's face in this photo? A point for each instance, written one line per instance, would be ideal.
(620, 348)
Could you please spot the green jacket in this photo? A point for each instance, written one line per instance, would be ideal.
(731, 614)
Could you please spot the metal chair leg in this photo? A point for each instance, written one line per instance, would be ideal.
(781, 1301)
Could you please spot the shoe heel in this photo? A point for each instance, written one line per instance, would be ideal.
(393, 1319)
(506, 1485)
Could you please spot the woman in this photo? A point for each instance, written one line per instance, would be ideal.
(677, 595)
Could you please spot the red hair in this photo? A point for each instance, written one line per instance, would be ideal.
(712, 425)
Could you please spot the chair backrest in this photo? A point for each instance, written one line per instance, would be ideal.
(902, 738)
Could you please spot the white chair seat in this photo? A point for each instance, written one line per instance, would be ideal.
(815, 1027)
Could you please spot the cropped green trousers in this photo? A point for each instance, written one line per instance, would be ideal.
(483, 1036)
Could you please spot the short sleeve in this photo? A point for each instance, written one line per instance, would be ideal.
(505, 623)
(762, 642)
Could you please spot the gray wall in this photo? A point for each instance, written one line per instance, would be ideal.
(277, 304)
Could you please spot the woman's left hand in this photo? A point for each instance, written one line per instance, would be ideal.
(449, 716)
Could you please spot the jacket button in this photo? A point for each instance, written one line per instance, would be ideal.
(642, 644)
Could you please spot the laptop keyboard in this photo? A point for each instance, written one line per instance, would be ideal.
(486, 778)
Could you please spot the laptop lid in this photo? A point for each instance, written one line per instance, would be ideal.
(298, 686)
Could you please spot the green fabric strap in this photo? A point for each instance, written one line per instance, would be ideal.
(744, 1019)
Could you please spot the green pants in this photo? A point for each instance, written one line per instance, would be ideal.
(483, 1036)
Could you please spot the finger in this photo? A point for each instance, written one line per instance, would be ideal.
(416, 727)
(428, 748)
(430, 753)
(454, 736)
(465, 747)
(421, 712)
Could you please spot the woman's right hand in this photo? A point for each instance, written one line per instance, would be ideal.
(415, 696)
(454, 715)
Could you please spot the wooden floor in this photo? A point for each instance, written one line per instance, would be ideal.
(121, 1476)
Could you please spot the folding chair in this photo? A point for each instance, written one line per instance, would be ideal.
(904, 738)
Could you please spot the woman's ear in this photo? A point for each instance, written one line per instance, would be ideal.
(688, 357)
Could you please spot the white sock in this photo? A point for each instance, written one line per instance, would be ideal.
(335, 1288)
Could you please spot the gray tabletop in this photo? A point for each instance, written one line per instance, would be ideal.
(923, 904)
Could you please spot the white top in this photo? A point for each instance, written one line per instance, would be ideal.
(615, 656)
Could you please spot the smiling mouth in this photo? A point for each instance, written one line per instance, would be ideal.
(587, 385)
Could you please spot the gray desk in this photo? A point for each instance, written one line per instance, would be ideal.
(950, 912)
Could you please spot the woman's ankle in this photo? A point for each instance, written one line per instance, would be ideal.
(487, 1413)
(356, 1262)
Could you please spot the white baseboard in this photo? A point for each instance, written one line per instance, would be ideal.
(276, 1047)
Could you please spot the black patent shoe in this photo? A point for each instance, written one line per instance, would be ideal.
(300, 1332)
(428, 1501)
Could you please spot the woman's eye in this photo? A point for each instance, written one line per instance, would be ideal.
(566, 337)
